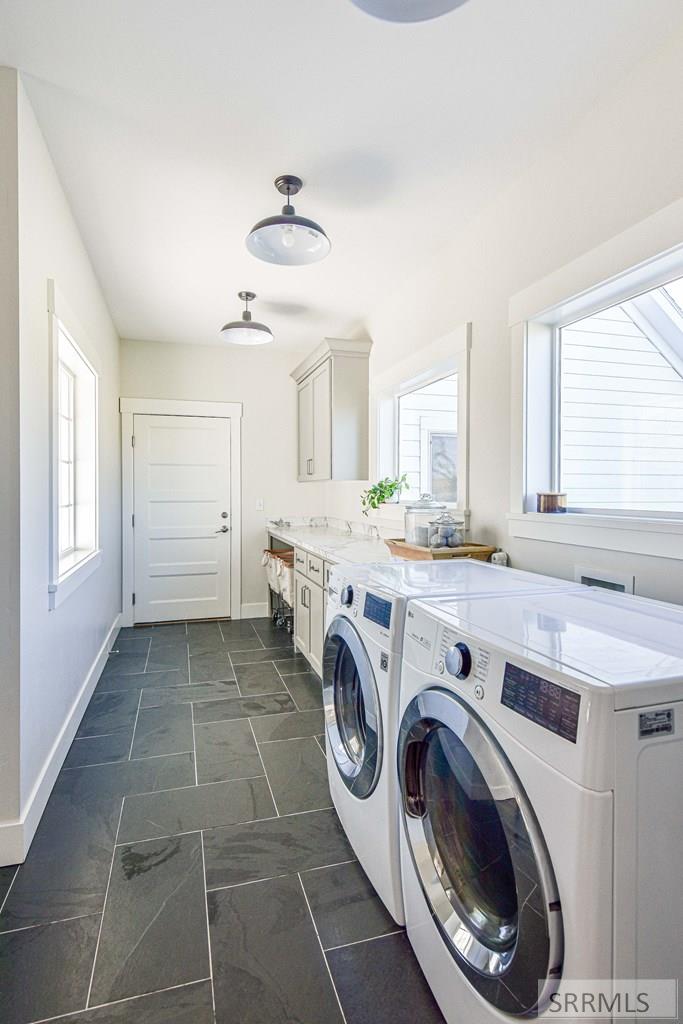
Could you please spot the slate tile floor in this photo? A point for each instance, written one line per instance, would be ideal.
(189, 867)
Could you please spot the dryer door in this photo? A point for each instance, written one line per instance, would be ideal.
(479, 854)
(352, 710)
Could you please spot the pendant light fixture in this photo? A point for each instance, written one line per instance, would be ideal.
(408, 10)
(246, 331)
(288, 239)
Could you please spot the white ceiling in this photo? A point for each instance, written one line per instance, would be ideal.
(168, 120)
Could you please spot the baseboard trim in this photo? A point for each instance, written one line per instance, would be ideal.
(16, 836)
(258, 610)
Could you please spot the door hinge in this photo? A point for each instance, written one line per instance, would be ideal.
(132, 519)
(133, 598)
(132, 441)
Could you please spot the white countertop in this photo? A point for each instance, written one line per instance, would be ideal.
(331, 543)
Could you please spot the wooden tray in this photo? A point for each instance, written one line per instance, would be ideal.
(414, 552)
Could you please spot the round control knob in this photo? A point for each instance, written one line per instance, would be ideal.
(459, 661)
(347, 596)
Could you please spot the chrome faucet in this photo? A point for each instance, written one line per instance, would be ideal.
(348, 527)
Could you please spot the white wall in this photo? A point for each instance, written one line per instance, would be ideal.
(616, 166)
(259, 378)
(61, 651)
(9, 440)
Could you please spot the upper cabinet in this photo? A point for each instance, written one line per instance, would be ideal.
(333, 398)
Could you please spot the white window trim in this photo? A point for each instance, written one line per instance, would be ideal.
(441, 358)
(66, 575)
(642, 258)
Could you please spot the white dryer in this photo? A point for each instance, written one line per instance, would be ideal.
(540, 761)
(361, 677)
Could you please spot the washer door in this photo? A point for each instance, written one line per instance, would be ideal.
(479, 854)
(352, 712)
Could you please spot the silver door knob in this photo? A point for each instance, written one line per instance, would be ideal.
(223, 529)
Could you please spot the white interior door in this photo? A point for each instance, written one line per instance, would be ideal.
(182, 521)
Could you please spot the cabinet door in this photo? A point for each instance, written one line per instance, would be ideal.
(321, 382)
(316, 615)
(302, 615)
(305, 396)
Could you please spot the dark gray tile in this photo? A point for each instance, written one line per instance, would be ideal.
(237, 629)
(45, 971)
(206, 645)
(191, 1004)
(297, 774)
(267, 963)
(226, 750)
(168, 632)
(154, 927)
(243, 707)
(66, 870)
(288, 727)
(169, 657)
(253, 679)
(136, 632)
(294, 665)
(125, 664)
(235, 645)
(108, 713)
(6, 878)
(166, 730)
(383, 973)
(200, 630)
(259, 656)
(98, 750)
(117, 684)
(154, 697)
(306, 689)
(214, 667)
(197, 807)
(345, 906)
(262, 849)
(131, 645)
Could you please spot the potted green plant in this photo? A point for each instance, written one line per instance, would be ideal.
(386, 490)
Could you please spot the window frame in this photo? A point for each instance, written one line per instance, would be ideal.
(576, 291)
(69, 568)
(441, 358)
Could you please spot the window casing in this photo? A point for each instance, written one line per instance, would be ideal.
(75, 485)
(427, 439)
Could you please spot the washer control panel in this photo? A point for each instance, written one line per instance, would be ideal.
(460, 660)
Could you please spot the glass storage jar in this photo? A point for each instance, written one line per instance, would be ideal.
(446, 532)
(418, 516)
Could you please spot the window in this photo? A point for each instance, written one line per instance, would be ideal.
(75, 463)
(428, 439)
(619, 444)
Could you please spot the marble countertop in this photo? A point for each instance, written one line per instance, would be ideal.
(332, 543)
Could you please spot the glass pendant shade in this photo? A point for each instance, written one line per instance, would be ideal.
(408, 10)
(246, 331)
(288, 239)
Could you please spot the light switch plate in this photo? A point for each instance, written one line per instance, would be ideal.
(259, 504)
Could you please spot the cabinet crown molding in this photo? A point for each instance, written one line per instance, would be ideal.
(330, 347)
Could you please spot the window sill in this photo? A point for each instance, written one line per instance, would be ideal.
(658, 538)
(80, 568)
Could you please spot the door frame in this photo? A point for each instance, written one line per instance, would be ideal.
(232, 411)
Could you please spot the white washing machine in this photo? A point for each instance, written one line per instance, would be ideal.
(540, 762)
(361, 676)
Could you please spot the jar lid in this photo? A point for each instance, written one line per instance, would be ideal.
(426, 503)
(445, 519)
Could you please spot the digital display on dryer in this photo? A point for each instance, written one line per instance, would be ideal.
(377, 610)
(551, 706)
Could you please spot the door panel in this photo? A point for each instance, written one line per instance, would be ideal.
(305, 400)
(316, 626)
(182, 505)
(302, 615)
(322, 423)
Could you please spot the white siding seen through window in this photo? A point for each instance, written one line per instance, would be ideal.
(428, 439)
